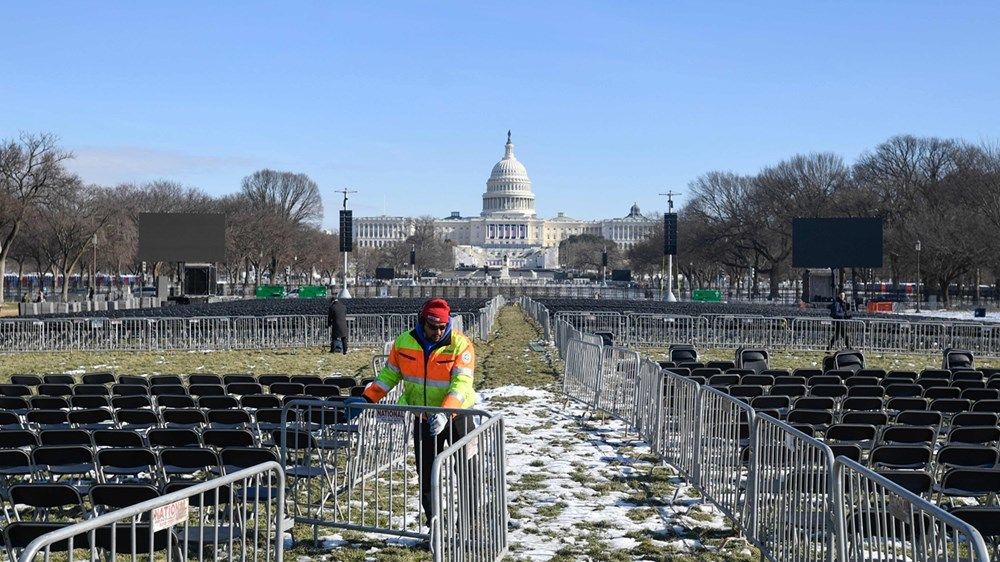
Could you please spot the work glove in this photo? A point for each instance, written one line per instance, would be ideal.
(351, 412)
(437, 423)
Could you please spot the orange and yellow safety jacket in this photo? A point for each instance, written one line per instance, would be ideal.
(441, 376)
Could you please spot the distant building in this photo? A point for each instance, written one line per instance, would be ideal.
(508, 226)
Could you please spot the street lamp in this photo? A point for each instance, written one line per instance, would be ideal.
(918, 274)
(94, 267)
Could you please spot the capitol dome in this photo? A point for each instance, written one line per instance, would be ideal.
(508, 191)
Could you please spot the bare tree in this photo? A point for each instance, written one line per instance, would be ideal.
(583, 252)
(68, 226)
(32, 173)
(281, 203)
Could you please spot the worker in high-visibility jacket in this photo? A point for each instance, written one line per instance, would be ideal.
(435, 365)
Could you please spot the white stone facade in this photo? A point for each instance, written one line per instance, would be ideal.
(508, 227)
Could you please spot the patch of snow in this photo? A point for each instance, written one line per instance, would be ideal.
(574, 481)
(945, 314)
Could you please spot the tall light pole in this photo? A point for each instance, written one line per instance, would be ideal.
(670, 246)
(918, 274)
(94, 267)
(346, 238)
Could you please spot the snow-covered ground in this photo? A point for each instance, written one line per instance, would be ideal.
(581, 488)
(991, 315)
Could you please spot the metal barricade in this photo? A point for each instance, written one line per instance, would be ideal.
(676, 440)
(247, 332)
(20, 335)
(367, 329)
(648, 401)
(748, 331)
(582, 378)
(887, 336)
(316, 333)
(619, 380)
(469, 497)
(791, 494)
(357, 469)
(928, 336)
(240, 514)
(208, 333)
(659, 330)
(976, 338)
(880, 520)
(723, 457)
(816, 333)
(378, 361)
(282, 331)
(592, 322)
(398, 323)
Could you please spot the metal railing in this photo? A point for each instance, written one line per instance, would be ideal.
(217, 333)
(883, 521)
(362, 468)
(781, 488)
(793, 333)
(240, 514)
(469, 493)
(791, 493)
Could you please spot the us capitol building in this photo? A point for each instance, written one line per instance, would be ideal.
(507, 229)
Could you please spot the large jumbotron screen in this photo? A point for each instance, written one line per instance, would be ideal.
(182, 237)
(837, 242)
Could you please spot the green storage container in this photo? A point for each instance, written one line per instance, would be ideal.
(312, 292)
(707, 295)
(270, 292)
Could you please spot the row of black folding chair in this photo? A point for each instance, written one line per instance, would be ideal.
(82, 466)
(156, 380)
(104, 418)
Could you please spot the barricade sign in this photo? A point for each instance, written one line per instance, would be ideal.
(167, 516)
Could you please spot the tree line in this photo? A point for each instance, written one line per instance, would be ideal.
(50, 220)
(738, 227)
(944, 192)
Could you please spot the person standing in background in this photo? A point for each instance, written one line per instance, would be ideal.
(336, 321)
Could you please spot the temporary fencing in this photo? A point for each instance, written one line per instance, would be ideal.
(240, 515)
(796, 333)
(216, 333)
(540, 314)
(361, 469)
(791, 494)
(816, 333)
(584, 366)
(469, 493)
(723, 442)
(883, 521)
(618, 381)
(783, 489)
(662, 330)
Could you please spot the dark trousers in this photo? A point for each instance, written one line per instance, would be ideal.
(334, 347)
(426, 448)
(839, 331)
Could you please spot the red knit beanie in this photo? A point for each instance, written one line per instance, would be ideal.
(436, 310)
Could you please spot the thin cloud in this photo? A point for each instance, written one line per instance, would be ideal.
(112, 165)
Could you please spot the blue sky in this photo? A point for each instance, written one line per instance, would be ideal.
(409, 103)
